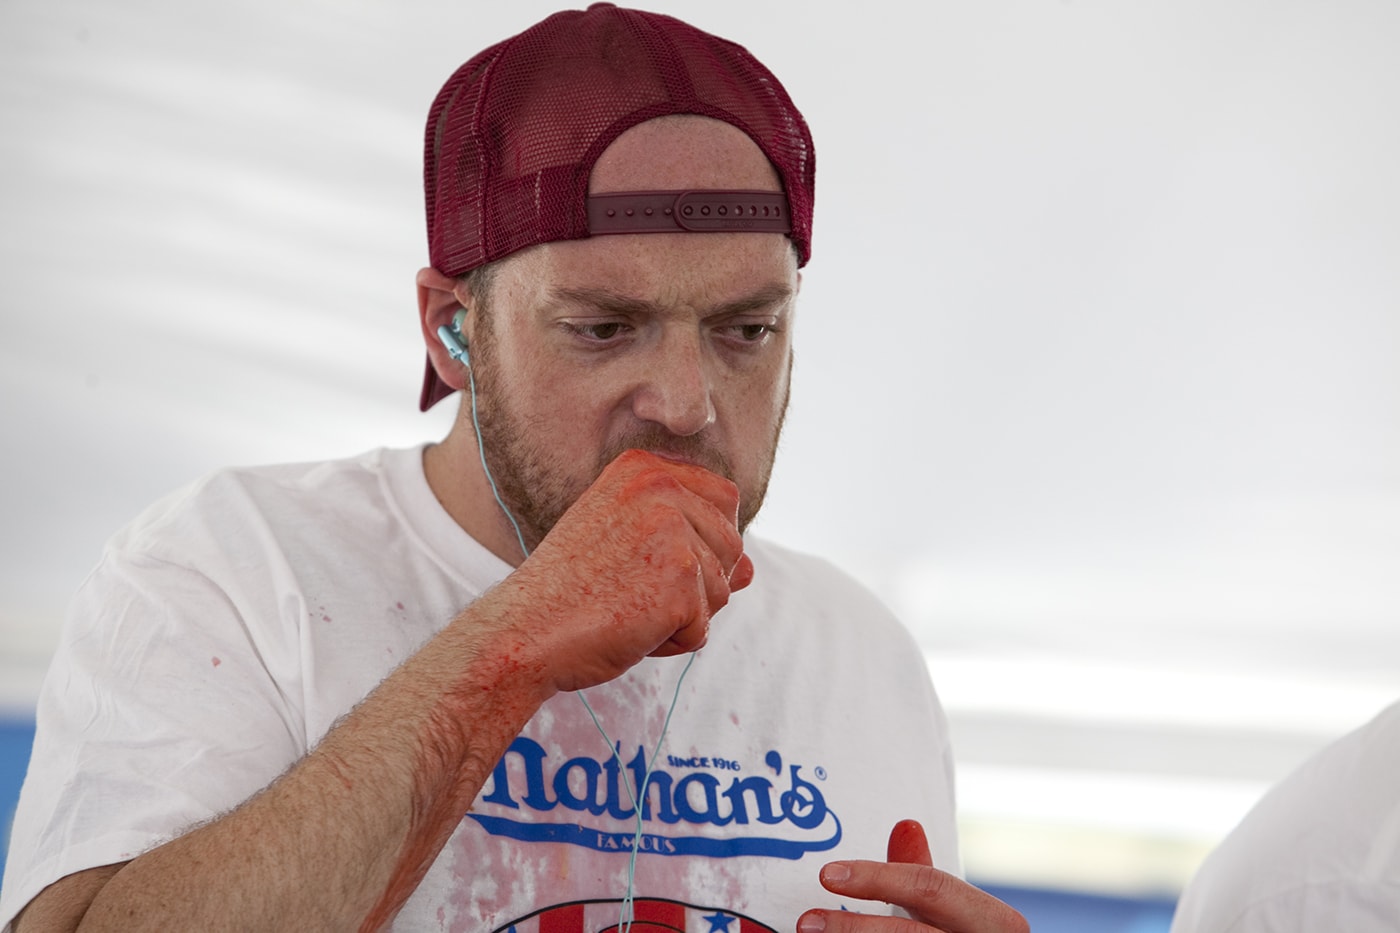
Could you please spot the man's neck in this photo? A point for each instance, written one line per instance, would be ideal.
(454, 473)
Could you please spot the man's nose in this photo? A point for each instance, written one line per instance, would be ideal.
(675, 390)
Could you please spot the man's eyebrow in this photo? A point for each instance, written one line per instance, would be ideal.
(605, 300)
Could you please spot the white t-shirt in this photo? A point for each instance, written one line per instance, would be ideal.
(224, 632)
(1320, 851)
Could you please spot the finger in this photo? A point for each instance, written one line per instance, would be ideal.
(690, 637)
(742, 575)
(703, 549)
(715, 579)
(715, 528)
(711, 594)
(705, 483)
(719, 492)
(845, 921)
(908, 844)
(718, 536)
(934, 897)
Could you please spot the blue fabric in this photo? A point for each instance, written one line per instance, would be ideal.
(16, 739)
(1067, 912)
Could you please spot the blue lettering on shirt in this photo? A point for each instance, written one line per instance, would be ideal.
(752, 807)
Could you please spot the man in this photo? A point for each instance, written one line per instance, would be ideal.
(342, 696)
(1319, 851)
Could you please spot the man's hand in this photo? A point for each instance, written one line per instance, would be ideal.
(635, 567)
(938, 902)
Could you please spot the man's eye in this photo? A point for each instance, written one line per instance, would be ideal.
(751, 333)
(605, 331)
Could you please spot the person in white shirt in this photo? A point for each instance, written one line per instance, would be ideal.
(1319, 851)
(451, 687)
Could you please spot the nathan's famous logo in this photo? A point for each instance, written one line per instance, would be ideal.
(784, 816)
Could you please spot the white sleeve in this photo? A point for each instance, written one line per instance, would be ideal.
(163, 708)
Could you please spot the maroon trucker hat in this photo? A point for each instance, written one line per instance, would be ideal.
(513, 135)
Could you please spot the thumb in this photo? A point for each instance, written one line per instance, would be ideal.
(908, 844)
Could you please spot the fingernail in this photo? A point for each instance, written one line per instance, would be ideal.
(836, 872)
(811, 923)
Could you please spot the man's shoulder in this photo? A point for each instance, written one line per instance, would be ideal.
(789, 563)
(224, 499)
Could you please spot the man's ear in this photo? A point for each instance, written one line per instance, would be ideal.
(438, 301)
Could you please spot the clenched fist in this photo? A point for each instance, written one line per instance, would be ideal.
(637, 566)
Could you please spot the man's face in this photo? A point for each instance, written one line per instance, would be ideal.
(675, 343)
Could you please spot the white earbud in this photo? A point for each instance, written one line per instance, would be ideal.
(452, 338)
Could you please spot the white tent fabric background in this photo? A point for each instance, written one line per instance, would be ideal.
(1097, 380)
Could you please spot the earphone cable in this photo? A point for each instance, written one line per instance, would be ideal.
(626, 910)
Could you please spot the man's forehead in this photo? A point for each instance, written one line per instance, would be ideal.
(683, 152)
(654, 271)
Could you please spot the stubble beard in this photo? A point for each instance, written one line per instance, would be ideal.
(538, 485)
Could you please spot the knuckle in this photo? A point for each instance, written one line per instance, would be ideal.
(730, 493)
(931, 884)
(679, 608)
(631, 457)
(649, 482)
